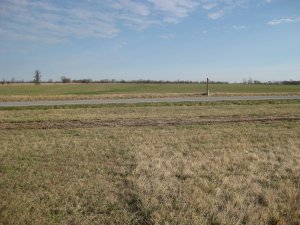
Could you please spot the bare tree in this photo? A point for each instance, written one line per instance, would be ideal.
(37, 77)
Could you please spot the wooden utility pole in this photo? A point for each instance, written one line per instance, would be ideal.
(207, 91)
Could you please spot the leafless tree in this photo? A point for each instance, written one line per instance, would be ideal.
(37, 77)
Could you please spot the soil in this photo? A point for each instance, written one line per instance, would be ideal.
(70, 124)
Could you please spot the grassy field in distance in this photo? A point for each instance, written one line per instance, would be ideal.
(151, 164)
(124, 90)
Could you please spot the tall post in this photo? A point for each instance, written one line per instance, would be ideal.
(207, 91)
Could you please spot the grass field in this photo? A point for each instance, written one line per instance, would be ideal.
(118, 90)
(186, 163)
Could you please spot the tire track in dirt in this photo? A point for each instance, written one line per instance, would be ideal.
(148, 100)
(70, 124)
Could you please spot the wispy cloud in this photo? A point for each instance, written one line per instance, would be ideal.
(131, 6)
(60, 20)
(219, 8)
(174, 10)
(209, 5)
(284, 20)
(34, 20)
(216, 15)
(137, 23)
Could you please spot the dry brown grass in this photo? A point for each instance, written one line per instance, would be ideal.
(189, 112)
(254, 94)
(220, 175)
(232, 173)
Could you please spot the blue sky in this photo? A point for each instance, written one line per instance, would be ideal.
(225, 40)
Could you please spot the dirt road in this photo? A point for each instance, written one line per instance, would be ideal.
(145, 100)
(71, 124)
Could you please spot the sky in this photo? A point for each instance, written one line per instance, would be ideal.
(225, 40)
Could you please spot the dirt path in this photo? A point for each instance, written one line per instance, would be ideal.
(70, 124)
(146, 100)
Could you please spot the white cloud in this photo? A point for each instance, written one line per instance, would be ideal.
(45, 21)
(216, 15)
(171, 20)
(87, 18)
(222, 7)
(61, 20)
(175, 8)
(134, 7)
(284, 20)
(209, 5)
(136, 23)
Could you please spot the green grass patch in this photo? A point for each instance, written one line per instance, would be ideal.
(132, 88)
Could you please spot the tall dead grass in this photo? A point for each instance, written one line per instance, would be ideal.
(161, 112)
(235, 174)
(238, 173)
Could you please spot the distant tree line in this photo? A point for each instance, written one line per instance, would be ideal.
(64, 79)
(291, 82)
(88, 81)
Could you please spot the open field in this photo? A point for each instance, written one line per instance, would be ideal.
(15, 92)
(181, 163)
